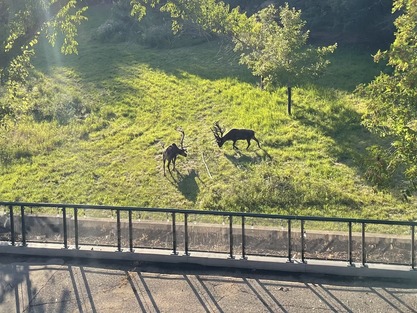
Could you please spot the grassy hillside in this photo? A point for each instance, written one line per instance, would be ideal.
(103, 117)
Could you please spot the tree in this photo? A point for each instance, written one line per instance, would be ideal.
(277, 50)
(211, 15)
(392, 109)
(22, 22)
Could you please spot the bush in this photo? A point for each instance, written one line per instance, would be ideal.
(111, 30)
(158, 36)
(63, 110)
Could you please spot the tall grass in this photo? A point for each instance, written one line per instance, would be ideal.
(123, 104)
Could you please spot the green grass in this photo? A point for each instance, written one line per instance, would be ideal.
(106, 114)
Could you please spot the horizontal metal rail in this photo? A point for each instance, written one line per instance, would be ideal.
(216, 213)
(233, 236)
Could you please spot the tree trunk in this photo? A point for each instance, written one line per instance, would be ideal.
(289, 99)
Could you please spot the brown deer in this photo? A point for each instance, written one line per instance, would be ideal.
(170, 154)
(233, 135)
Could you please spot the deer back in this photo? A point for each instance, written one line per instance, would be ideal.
(173, 151)
(239, 134)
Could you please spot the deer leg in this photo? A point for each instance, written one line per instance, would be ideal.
(257, 141)
(173, 163)
(248, 140)
(164, 168)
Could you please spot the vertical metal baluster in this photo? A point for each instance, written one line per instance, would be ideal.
(413, 247)
(174, 235)
(76, 227)
(231, 236)
(12, 232)
(289, 241)
(64, 224)
(130, 231)
(363, 245)
(350, 245)
(186, 233)
(243, 238)
(302, 242)
(119, 241)
(22, 213)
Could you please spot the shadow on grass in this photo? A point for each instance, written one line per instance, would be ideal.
(186, 184)
(239, 158)
(351, 138)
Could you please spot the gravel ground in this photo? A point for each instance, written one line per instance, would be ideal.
(57, 285)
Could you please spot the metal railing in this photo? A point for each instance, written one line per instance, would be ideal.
(237, 232)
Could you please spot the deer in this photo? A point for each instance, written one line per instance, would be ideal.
(233, 135)
(171, 152)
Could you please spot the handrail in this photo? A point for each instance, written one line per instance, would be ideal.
(231, 235)
(218, 213)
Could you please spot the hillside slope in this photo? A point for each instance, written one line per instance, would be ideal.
(103, 117)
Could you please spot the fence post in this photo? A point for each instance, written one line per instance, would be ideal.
(302, 242)
(413, 247)
(231, 236)
(64, 224)
(12, 232)
(22, 213)
(130, 231)
(289, 241)
(350, 260)
(243, 239)
(76, 227)
(174, 235)
(363, 245)
(186, 233)
(119, 242)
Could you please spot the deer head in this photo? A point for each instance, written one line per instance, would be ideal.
(218, 133)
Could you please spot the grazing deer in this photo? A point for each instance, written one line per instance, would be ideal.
(233, 135)
(171, 153)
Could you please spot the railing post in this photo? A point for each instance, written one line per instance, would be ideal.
(186, 233)
(350, 260)
(363, 245)
(231, 236)
(76, 227)
(174, 235)
(22, 214)
(12, 232)
(119, 241)
(243, 238)
(64, 224)
(289, 241)
(413, 247)
(130, 231)
(302, 242)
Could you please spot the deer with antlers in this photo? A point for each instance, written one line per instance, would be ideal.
(170, 154)
(233, 135)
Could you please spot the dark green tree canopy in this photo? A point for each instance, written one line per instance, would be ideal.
(392, 107)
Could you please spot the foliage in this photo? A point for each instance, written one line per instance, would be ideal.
(21, 24)
(277, 51)
(120, 26)
(311, 164)
(210, 15)
(392, 111)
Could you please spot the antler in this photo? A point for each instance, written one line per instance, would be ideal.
(182, 137)
(217, 130)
